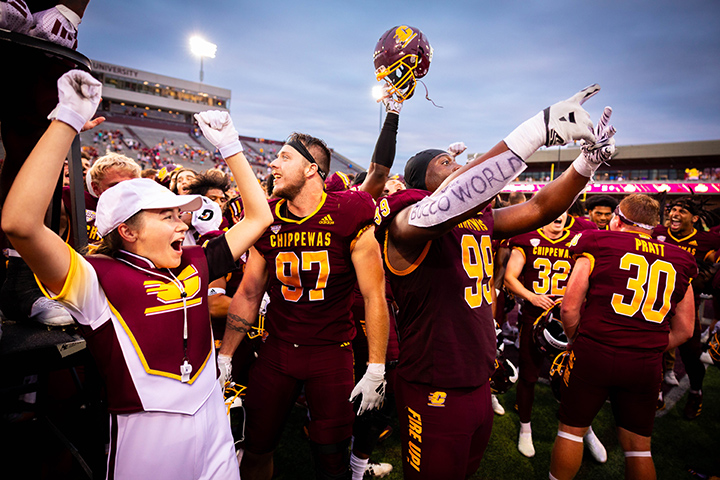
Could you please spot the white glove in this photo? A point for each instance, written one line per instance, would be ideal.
(79, 95)
(372, 388)
(558, 124)
(456, 148)
(225, 367)
(391, 105)
(595, 154)
(218, 128)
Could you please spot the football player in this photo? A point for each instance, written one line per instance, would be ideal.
(704, 247)
(600, 209)
(319, 245)
(636, 301)
(537, 272)
(436, 238)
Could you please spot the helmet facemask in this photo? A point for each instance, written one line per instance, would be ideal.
(402, 56)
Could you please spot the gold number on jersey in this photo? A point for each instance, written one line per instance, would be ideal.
(287, 270)
(382, 210)
(477, 261)
(550, 275)
(648, 275)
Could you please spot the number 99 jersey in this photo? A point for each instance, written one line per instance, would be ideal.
(635, 284)
(310, 270)
(445, 324)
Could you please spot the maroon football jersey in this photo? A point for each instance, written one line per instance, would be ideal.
(311, 275)
(90, 207)
(445, 323)
(547, 265)
(635, 284)
(578, 224)
(701, 245)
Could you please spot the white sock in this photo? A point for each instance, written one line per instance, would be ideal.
(358, 466)
(525, 427)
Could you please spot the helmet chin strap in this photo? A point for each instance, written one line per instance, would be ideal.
(427, 94)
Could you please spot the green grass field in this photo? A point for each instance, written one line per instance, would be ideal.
(678, 444)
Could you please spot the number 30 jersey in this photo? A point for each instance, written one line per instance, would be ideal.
(311, 274)
(445, 324)
(635, 284)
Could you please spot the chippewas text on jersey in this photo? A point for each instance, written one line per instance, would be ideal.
(300, 239)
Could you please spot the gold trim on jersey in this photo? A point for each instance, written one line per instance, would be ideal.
(559, 239)
(411, 268)
(139, 352)
(568, 226)
(521, 250)
(590, 257)
(302, 220)
(357, 237)
(68, 278)
(694, 231)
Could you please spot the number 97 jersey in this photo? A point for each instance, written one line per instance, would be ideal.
(635, 284)
(310, 269)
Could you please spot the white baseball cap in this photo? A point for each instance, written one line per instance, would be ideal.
(122, 201)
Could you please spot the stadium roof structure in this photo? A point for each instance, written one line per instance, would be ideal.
(130, 86)
(651, 168)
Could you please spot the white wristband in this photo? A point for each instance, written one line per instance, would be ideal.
(66, 115)
(376, 369)
(215, 291)
(231, 149)
(528, 136)
(584, 167)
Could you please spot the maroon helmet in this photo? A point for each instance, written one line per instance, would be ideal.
(548, 332)
(402, 55)
(560, 372)
(504, 376)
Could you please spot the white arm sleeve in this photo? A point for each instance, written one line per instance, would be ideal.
(468, 190)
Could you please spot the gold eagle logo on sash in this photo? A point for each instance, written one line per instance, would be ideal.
(170, 295)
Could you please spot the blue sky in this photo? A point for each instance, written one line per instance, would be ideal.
(307, 66)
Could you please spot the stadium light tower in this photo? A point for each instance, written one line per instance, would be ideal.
(377, 93)
(202, 48)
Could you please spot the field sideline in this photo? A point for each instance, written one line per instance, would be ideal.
(678, 444)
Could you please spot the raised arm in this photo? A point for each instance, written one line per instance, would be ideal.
(559, 195)
(218, 128)
(22, 219)
(384, 153)
(469, 189)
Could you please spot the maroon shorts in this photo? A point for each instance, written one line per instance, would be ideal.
(444, 432)
(276, 379)
(630, 378)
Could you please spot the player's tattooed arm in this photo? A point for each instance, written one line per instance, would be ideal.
(245, 303)
(238, 324)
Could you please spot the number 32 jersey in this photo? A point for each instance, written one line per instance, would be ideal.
(635, 284)
(311, 274)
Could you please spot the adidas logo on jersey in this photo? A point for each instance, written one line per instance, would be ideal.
(693, 243)
(326, 220)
